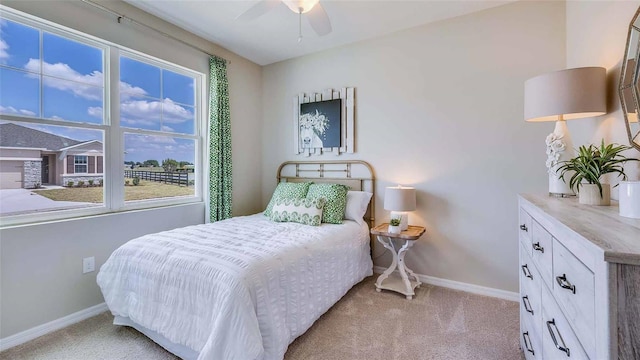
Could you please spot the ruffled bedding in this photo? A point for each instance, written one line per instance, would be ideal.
(242, 288)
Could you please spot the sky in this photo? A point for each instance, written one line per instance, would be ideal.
(69, 77)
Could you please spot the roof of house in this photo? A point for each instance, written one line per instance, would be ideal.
(13, 135)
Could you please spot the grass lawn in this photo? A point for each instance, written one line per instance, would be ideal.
(146, 190)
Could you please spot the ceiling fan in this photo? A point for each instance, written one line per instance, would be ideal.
(311, 8)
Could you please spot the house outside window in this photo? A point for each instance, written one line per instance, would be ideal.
(136, 142)
(81, 162)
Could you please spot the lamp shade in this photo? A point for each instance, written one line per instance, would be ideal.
(566, 94)
(400, 198)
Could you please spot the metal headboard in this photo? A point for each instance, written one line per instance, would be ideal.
(356, 174)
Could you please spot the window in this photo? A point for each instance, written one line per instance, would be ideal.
(81, 164)
(104, 146)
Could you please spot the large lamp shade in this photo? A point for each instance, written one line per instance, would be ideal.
(566, 94)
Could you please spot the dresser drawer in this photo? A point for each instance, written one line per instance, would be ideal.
(530, 293)
(573, 288)
(558, 339)
(524, 232)
(542, 250)
(530, 341)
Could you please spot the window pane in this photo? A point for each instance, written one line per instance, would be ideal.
(139, 78)
(178, 88)
(19, 93)
(38, 169)
(162, 167)
(72, 101)
(72, 60)
(19, 45)
(140, 112)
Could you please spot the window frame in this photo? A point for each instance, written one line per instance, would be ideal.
(113, 134)
(76, 164)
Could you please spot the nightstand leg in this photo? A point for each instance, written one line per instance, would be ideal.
(401, 268)
(411, 273)
(389, 245)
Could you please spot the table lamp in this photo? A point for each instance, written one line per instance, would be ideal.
(399, 200)
(560, 96)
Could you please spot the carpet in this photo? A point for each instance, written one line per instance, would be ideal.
(438, 323)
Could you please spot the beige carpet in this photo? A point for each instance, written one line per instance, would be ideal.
(437, 324)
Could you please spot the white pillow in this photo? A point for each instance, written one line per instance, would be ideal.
(357, 202)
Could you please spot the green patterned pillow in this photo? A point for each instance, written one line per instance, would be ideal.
(287, 190)
(303, 211)
(336, 196)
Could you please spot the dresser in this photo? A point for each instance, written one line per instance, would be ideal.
(579, 280)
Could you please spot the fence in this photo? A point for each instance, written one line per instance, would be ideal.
(179, 178)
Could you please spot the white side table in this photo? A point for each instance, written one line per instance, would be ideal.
(404, 285)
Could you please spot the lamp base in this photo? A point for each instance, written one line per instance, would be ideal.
(404, 219)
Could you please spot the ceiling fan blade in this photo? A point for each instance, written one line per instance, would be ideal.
(319, 20)
(257, 10)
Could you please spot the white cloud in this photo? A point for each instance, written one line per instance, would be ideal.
(167, 128)
(14, 111)
(56, 117)
(95, 111)
(4, 47)
(4, 54)
(87, 86)
(150, 112)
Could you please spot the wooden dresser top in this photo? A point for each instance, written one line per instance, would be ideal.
(617, 236)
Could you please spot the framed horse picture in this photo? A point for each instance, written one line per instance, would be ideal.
(323, 122)
(320, 124)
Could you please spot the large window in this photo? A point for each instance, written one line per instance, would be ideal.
(82, 143)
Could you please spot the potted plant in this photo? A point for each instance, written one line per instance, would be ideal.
(588, 168)
(394, 226)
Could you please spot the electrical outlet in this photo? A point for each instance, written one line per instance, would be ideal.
(88, 265)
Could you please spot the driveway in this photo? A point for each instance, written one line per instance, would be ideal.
(18, 201)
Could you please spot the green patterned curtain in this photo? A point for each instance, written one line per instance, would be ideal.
(219, 142)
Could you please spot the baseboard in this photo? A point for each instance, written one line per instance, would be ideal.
(456, 285)
(35, 332)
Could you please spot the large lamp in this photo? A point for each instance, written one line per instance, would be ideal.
(399, 200)
(560, 96)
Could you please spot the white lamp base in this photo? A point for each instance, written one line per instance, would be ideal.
(404, 219)
(557, 187)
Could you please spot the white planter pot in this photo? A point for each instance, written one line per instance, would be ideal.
(394, 229)
(589, 194)
(629, 194)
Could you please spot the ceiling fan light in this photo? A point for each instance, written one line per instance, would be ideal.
(296, 5)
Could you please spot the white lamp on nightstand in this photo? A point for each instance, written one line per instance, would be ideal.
(399, 200)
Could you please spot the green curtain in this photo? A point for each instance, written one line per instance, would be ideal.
(220, 187)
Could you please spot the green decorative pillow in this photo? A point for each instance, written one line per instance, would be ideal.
(336, 196)
(303, 211)
(287, 190)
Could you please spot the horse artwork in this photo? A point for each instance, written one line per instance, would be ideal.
(320, 124)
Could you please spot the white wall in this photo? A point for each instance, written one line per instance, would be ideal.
(440, 107)
(41, 265)
(596, 36)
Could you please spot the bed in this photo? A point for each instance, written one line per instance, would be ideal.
(246, 287)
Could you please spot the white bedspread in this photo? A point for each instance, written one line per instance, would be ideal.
(242, 288)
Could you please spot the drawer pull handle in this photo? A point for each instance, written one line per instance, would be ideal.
(527, 273)
(565, 284)
(527, 342)
(523, 227)
(553, 337)
(527, 304)
(537, 247)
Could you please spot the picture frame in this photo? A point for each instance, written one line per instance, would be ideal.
(324, 122)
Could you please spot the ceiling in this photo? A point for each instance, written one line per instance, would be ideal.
(273, 37)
